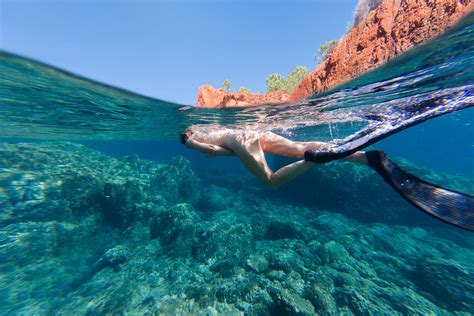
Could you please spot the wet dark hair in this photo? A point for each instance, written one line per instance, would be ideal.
(183, 137)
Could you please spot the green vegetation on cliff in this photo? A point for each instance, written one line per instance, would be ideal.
(275, 82)
(226, 85)
(325, 50)
(243, 89)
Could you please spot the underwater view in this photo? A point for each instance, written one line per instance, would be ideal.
(104, 211)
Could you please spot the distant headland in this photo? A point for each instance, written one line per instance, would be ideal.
(382, 30)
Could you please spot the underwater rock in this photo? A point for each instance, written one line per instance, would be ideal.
(285, 259)
(449, 284)
(371, 298)
(280, 230)
(35, 186)
(112, 258)
(337, 224)
(214, 199)
(176, 228)
(65, 181)
(332, 252)
(226, 267)
(23, 243)
(219, 240)
(177, 183)
(270, 227)
(286, 302)
(321, 300)
(257, 263)
(356, 301)
(76, 260)
(259, 226)
(119, 202)
(231, 289)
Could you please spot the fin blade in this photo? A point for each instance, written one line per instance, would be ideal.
(398, 119)
(450, 206)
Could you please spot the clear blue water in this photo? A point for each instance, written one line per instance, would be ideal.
(99, 216)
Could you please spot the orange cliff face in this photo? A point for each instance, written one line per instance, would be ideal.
(209, 97)
(389, 30)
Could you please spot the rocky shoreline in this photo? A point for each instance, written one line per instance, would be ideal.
(86, 233)
(391, 29)
(210, 97)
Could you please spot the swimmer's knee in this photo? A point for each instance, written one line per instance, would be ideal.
(266, 180)
(270, 182)
(271, 185)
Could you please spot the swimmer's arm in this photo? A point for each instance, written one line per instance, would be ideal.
(221, 151)
(208, 149)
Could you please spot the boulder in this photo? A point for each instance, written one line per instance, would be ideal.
(219, 240)
(176, 182)
(175, 228)
(446, 282)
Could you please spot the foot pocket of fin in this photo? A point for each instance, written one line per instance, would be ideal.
(324, 156)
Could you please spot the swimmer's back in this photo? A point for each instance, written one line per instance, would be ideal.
(225, 137)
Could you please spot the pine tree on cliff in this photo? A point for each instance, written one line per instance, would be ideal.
(294, 78)
(324, 51)
(275, 82)
(244, 90)
(226, 85)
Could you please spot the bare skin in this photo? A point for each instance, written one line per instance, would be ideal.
(250, 147)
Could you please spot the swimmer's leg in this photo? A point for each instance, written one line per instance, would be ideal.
(289, 172)
(358, 157)
(276, 144)
(252, 156)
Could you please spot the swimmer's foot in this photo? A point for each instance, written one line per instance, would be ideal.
(324, 156)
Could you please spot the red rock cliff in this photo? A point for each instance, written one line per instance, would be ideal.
(209, 97)
(391, 29)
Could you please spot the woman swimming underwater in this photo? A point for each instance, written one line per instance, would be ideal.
(450, 206)
(250, 146)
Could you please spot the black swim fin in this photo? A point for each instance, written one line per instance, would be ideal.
(452, 207)
(395, 118)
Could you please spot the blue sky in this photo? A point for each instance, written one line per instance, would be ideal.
(167, 49)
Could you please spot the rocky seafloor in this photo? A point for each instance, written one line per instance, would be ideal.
(85, 233)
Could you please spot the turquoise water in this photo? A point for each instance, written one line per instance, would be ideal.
(104, 211)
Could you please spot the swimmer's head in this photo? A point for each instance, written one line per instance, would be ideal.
(184, 136)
